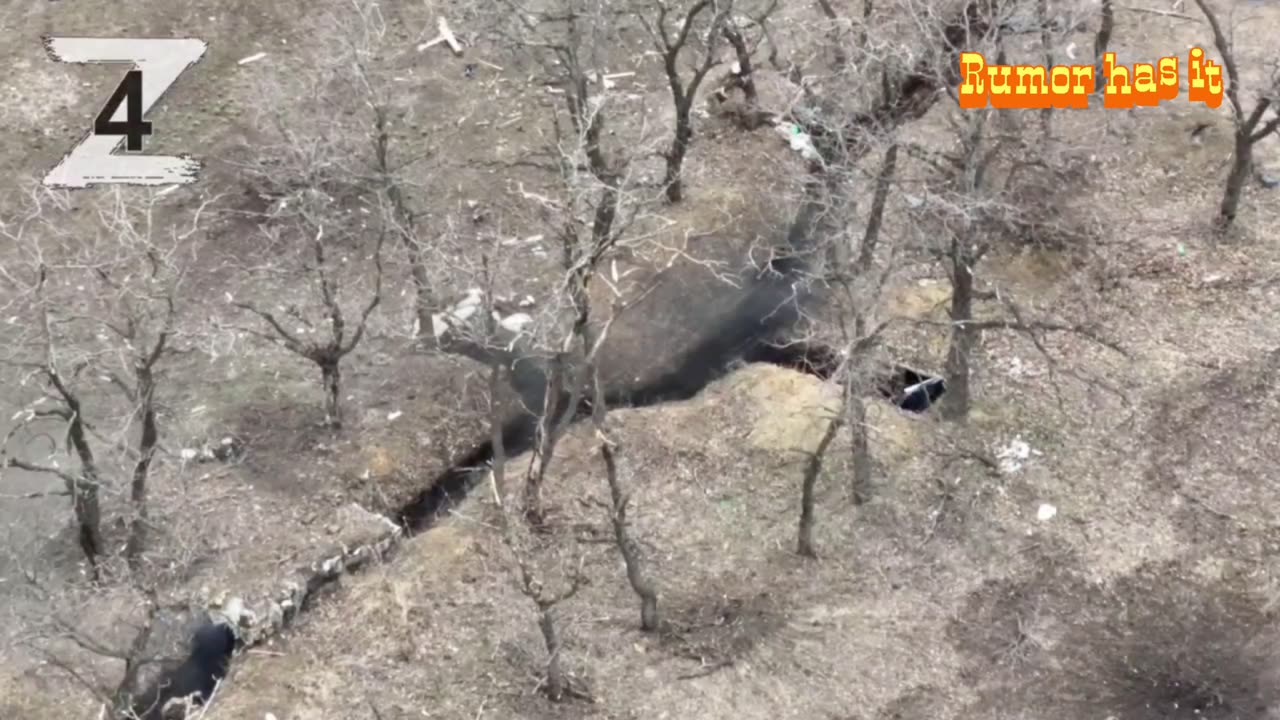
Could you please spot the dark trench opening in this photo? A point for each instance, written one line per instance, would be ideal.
(912, 390)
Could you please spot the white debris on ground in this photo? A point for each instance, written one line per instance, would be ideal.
(799, 140)
(1014, 455)
(444, 35)
(1046, 512)
(1017, 368)
(462, 311)
(458, 314)
(514, 322)
(226, 449)
(252, 58)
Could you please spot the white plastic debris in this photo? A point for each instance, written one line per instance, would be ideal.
(515, 322)
(456, 315)
(188, 454)
(252, 58)
(1014, 455)
(799, 140)
(393, 415)
(1046, 512)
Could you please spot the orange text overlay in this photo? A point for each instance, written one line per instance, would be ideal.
(1063, 86)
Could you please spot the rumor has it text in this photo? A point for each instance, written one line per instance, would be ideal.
(1069, 86)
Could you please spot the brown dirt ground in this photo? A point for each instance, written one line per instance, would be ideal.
(942, 598)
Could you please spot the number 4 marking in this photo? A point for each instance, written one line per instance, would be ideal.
(133, 127)
(157, 64)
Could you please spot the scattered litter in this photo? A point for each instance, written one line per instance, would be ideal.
(1046, 512)
(528, 301)
(188, 454)
(456, 315)
(514, 322)
(609, 79)
(1014, 455)
(393, 415)
(799, 140)
(252, 58)
(522, 241)
(446, 36)
(167, 190)
(1071, 50)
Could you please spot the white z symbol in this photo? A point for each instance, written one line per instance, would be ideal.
(157, 63)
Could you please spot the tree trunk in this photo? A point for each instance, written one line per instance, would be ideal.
(955, 404)
(551, 638)
(860, 485)
(421, 294)
(88, 513)
(1046, 43)
(1103, 38)
(813, 467)
(85, 490)
(679, 148)
(548, 425)
(1241, 167)
(332, 379)
(745, 77)
(640, 582)
(141, 470)
(839, 59)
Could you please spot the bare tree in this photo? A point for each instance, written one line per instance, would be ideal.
(343, 176)
(989, 189)
(986, 193)
(601, 202)
(862, 297)
(619, 501)
(808, 485)
(522, 545)
(334, 343)
(683, 93)
(1249, 126)
(742, 77)
(119, 332)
